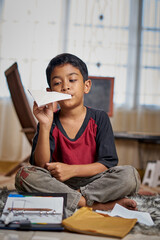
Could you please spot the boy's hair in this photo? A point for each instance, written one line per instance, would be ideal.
(66, 58)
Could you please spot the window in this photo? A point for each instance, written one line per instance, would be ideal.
(121, 39)
(99, 33)
(150, 54)
(116, 38)
(30, 34)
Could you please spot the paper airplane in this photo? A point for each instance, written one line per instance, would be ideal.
(43, 97)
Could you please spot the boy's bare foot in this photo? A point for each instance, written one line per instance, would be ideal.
(125, 202)
(146, 193)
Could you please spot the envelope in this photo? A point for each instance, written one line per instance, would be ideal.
(87, 221)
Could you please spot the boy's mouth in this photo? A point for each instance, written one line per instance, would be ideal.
(70, 94)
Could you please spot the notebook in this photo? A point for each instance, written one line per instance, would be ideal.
(34, 211)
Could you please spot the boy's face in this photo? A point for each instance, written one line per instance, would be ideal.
(68, 79)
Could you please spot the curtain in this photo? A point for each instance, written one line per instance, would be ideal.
(13, 143)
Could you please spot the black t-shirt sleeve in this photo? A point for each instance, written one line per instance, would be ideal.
(106, 149)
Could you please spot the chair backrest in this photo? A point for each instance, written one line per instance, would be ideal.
(20, 102)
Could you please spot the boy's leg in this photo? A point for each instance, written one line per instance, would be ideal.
(115, 183)
(36, 179)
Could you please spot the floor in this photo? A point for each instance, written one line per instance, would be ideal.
(37, 235)
(19, 235)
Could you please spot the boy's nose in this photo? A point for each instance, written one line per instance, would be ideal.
(65, 87)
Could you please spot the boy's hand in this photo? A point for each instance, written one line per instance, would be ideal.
(44, 114)
(63, 171)
(60, 171)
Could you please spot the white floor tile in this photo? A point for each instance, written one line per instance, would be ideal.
(15, 235)
(39, 235)
(65, 236)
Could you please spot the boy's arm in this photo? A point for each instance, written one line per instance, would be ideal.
(107, 154)
(63, 172)
(45, 117)
(42, 150)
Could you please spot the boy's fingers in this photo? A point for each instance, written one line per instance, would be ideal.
(35, 104)
(50, 166)
(52, 106)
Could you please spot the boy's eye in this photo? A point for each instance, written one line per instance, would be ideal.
(73, 80)
(56, 83)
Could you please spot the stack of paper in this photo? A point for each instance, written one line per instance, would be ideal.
(142, 217)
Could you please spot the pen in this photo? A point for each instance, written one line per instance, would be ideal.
(30, 209)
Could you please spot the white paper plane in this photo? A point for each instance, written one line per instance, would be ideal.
(43, 97)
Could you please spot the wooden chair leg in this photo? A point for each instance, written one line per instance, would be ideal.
(15, 169)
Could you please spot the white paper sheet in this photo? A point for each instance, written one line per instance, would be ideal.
(43, 97)
(142, 217)
(51, 209)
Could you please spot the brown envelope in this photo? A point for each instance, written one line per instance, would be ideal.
(87, 221)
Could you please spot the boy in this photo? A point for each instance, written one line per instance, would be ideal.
(73, 151)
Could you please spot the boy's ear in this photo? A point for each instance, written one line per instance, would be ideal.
(87, 87)
(48, 89)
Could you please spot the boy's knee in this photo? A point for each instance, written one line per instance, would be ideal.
(28, 174)
(131, 179)
(22, 176)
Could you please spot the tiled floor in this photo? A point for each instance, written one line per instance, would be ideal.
(21, 235)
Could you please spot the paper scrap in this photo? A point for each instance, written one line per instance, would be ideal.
(43, 97)
(142, 217)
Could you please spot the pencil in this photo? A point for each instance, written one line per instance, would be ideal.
(30, 209)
